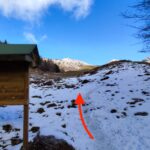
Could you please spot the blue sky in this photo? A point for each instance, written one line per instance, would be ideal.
(88, 30)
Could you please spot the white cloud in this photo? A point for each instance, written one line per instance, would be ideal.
(30, 37)
(43, 37)
(33, 9)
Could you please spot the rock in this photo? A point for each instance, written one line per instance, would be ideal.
(3, 106)
(85, 81)
(35, 129)
(48, 95)
(135, 100)
(131, 91)
(36, 96)
(124, 113)
(49, 143)
(105, 78)
(109, 72)
(69, 86)
(113, 94)
(141, 114)
(114, 84)
(58, 113)
(147, 74)
(16, 141)
(40, 110)
(108, 91)
(64, 125)
(125, 109)
(145, 93)
(62, 107)
(7, 128)
(44, 103)
(16, 129)
(73, 105)
(147, 79)
(51, 105)
(113, 111)
(50, 82)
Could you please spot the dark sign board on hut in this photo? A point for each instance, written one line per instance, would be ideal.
(15, 60)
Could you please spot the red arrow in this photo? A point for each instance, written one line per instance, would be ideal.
(80, 101)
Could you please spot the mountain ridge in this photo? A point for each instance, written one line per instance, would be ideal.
(66, 64)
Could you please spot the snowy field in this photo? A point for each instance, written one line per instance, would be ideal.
(117, 110)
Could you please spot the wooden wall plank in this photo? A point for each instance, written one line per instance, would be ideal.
(14, 102)
(13, 85)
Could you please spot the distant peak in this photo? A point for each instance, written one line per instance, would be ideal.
(67, 59)
(68, 64)
(114, 60)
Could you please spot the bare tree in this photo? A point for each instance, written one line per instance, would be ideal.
(142, 15)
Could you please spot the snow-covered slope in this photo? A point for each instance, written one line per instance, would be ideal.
(116, 111)
(68, 64)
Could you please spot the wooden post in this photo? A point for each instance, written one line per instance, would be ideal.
(26, 112)
(25, 127)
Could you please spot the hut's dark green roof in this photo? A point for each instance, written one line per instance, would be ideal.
(19, 52)
(10, 49)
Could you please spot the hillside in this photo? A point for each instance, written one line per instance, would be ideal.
(117, 110)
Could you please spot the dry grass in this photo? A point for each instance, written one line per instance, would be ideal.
(52, 75)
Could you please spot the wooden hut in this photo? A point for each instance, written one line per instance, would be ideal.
(15, 60)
